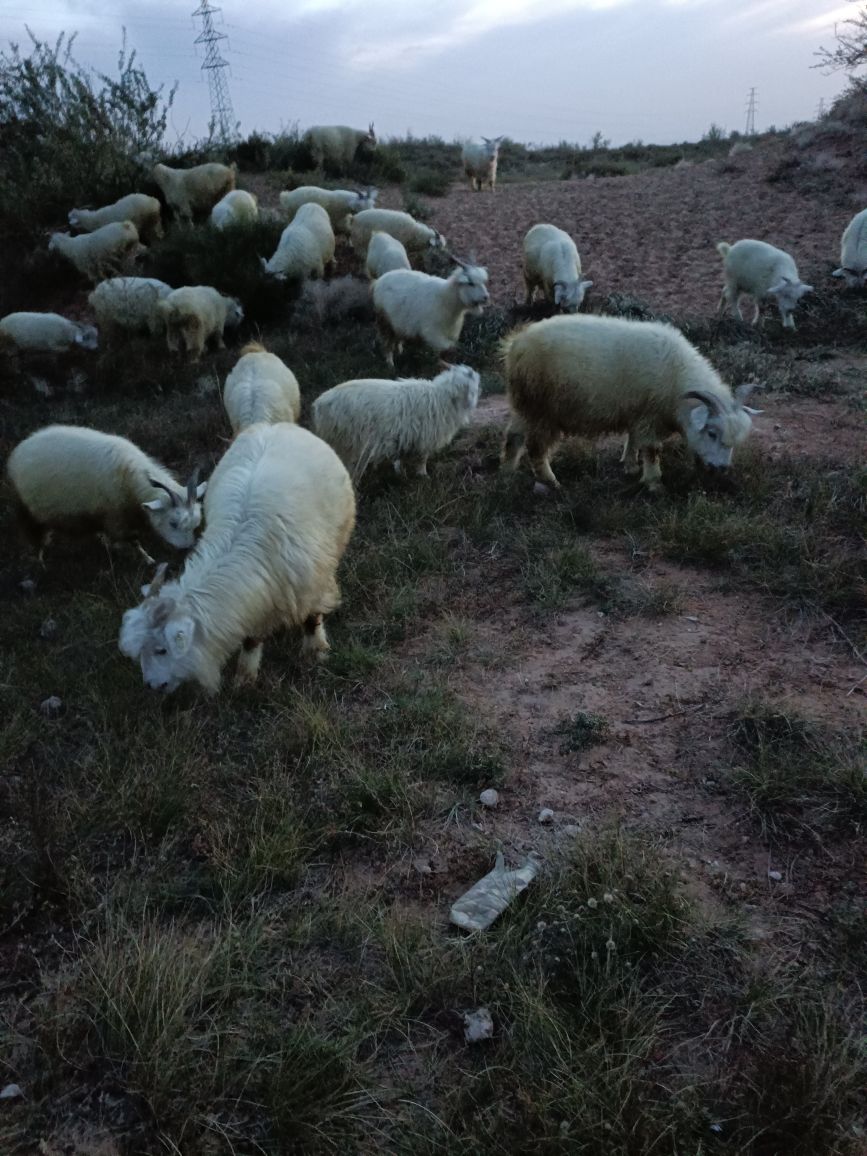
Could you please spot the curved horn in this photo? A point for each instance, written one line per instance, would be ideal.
(163, 486)
(192, 485)
(712, 402)
(157, 580)
(457, 260)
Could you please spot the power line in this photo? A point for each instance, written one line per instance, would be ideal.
(215, 68)
(752, 106)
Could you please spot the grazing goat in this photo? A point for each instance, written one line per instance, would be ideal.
(279, 512)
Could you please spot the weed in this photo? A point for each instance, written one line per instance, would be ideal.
(582, 730)
(797, 774)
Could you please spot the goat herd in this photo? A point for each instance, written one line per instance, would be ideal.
(279, 508)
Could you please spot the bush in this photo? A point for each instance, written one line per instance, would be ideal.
(70, 136)
(228, 260)
(430, 182)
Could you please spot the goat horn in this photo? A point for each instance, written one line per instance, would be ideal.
(710, 400)
(192, 485)
(163, 486)
(457, 260)
(158, 580)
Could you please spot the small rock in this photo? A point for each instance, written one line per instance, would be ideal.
(489, 798)
(546, 815)
(27, 585)
(478, 1025)
(422, 866)
(542, 489)
(48, 629)
(11, 1092)
(775, 875)
(51, 706)
(42, 387)
(690, 618)
(571, 829)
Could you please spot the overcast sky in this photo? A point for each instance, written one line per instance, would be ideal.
(536, 70)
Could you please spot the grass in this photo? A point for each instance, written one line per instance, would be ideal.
(212, 925)
(799, 776)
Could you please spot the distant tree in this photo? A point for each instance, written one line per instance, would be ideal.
(599, 141)
(850, 52)
(715, 133)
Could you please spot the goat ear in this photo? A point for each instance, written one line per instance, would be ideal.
(698, 416)
(838, 273)
(752, 412)
(133, 631)
(805, 288)
(558, 293)
(585, 285)
(200, 489)
(778, 288)
(155, 504)
(179, 636)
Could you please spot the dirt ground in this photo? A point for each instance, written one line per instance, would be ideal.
(652, 235)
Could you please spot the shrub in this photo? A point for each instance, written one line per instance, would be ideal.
(228, 260)
(68, 135)
(430, 182)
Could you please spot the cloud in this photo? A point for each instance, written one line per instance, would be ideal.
(463, 26)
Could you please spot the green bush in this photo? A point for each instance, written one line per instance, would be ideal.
(70, 136)
(228, 260)
(430, 182)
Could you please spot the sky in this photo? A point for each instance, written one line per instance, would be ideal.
(538, 71)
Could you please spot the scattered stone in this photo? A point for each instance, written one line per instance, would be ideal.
(42, 387)
(51, 707)
(478, 1025)
(11, 1092)
(477, 908)
(690, 618)
(27, 585)
(489, 798)
(546, 815)
(422, 866)
(541, 489)
(775, 875)
(571, 829)
(48, 629)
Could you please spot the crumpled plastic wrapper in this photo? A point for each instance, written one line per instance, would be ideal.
(477, 908)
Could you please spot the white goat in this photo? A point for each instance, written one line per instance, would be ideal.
(142, 210)
(79, 480)
(336, 146)
(385, 254)
(587, 376)
(412, 234)
(551, 262)
(237, 208)
(129, 305)
(260, 388)
(760, 270)
(195, 315)
(480, 162)
(411, 305)
(195, 190)
(46, 333)
(95, 255)
(853, 252)
(305, 248)
(279, 512)
(370, 421)
(339, 204)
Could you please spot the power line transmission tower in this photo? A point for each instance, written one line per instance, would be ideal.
(222, 115)
(820, 111)
(752, 106)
